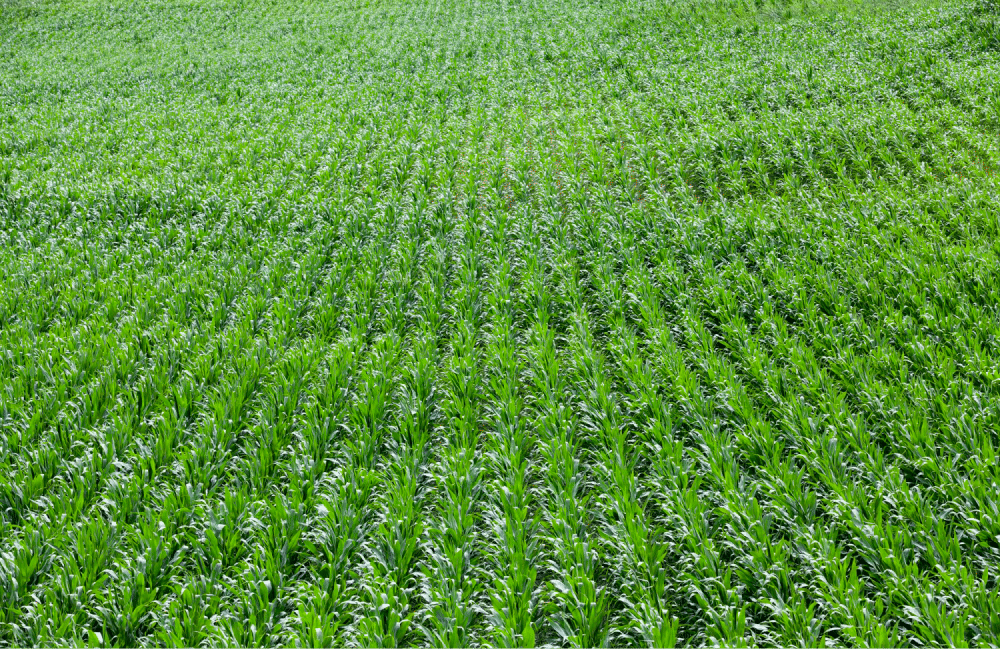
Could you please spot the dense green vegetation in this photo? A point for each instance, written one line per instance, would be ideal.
(487, 322)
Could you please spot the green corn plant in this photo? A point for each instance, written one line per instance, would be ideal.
(468, 323)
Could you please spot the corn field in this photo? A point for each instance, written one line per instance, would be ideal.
(503, 323)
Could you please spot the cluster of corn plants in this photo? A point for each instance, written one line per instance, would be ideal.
(473, 322)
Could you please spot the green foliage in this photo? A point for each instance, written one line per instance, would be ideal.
(514, 324)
